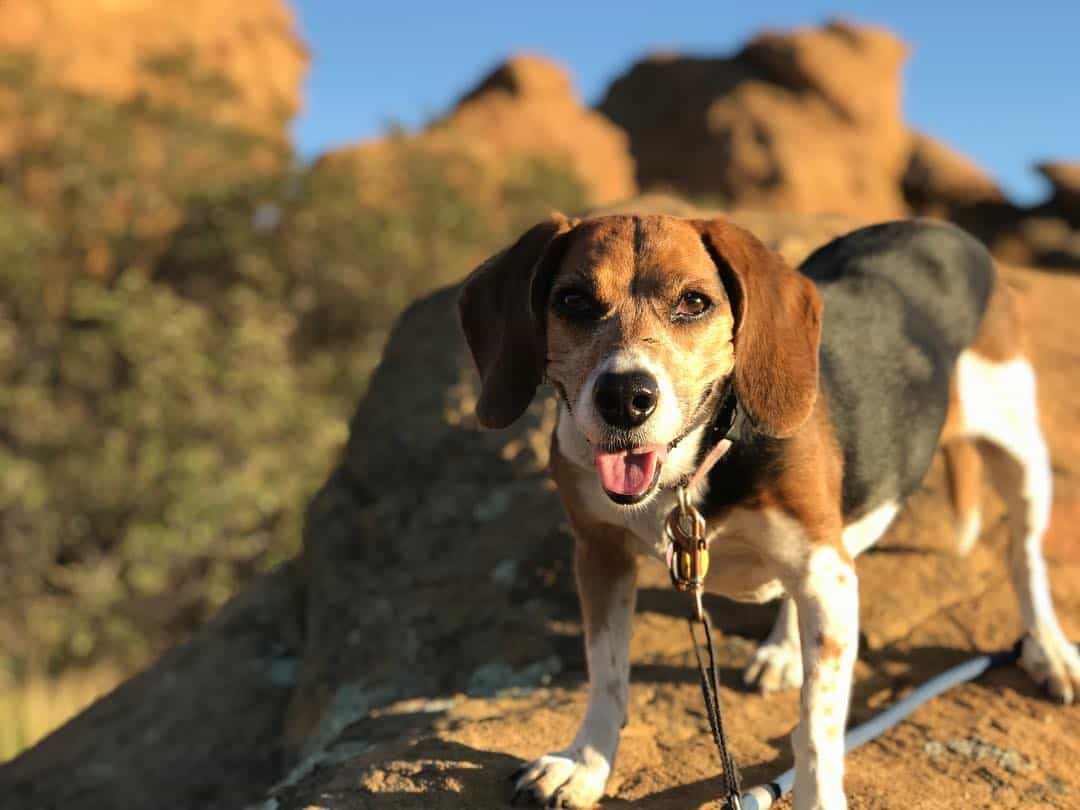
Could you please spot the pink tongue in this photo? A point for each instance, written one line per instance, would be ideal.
(626, 473)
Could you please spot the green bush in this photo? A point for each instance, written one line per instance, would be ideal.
(353, 255)
(155, 455)
(181, 343)
(114, 178)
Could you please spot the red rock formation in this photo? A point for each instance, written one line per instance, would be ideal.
(246, 54)
(939, 179)
(1064, 177)
(807, 121)
(525, 109)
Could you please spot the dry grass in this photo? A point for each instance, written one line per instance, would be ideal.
(32, 710)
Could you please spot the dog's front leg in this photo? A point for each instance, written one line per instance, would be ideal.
(827, 596)
(606, 578)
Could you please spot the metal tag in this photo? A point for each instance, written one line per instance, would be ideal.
(688, 555)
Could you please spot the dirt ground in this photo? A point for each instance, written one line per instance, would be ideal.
(995, 743)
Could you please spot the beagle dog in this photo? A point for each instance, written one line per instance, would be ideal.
(839, 381)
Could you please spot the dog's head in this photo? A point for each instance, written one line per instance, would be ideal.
(638, 322)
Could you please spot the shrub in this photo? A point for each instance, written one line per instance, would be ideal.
(184, 329)
(156, 455)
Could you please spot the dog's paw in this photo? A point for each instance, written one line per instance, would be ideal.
(563, 779)
(774, 667)
(1054, 663)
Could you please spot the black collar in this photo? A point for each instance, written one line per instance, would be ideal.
(723, 423)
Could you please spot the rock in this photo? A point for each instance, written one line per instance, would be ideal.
(855, 69)
(247, 53)
(528, 107)
(149, 105)
(807, 121)
(1064, 179)
(526, 78)
(1043, 235)
(939, 180)
(525, 109)
(201, 728)
(1050, 241)
(403, 603)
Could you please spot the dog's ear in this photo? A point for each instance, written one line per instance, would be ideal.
(777, 315)
(502, 309)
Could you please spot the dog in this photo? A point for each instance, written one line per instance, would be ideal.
(839, 381)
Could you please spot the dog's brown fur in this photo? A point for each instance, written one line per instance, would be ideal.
(635, 269)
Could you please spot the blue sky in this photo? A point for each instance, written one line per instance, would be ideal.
(1001, 86)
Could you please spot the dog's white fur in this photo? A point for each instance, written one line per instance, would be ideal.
(578, 773)
(759, 555)
(999, 405)
(777, 663)
(664, 423)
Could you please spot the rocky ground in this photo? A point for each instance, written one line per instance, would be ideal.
(427, 639)
(996, 743)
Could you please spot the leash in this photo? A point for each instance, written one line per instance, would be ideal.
(688, 562)
(710, 690)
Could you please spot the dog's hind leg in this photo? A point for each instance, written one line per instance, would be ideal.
(999, 405)
(964, 464)
(777, 662)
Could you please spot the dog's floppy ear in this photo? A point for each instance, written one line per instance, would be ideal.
(502, 309)
(777, 315)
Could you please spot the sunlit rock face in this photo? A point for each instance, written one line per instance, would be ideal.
(806, 121)
(524, 113)
(241, 63)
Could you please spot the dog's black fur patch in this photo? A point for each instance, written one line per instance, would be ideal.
(902, 300)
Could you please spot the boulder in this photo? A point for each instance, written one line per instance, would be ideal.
(200, 728)
(1064, 178)
(148, 104)
(939, 180)
(807, 121)
(526, 109)
(242, 63)
(1046, 234)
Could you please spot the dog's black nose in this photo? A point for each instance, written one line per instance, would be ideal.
(626, 400)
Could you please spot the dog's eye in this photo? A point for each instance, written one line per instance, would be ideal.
(576, 303)
(691, 305)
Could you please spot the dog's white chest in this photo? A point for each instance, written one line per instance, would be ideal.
(748, 548)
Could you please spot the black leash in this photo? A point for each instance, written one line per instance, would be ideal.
(710, 690)
(688, 561)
